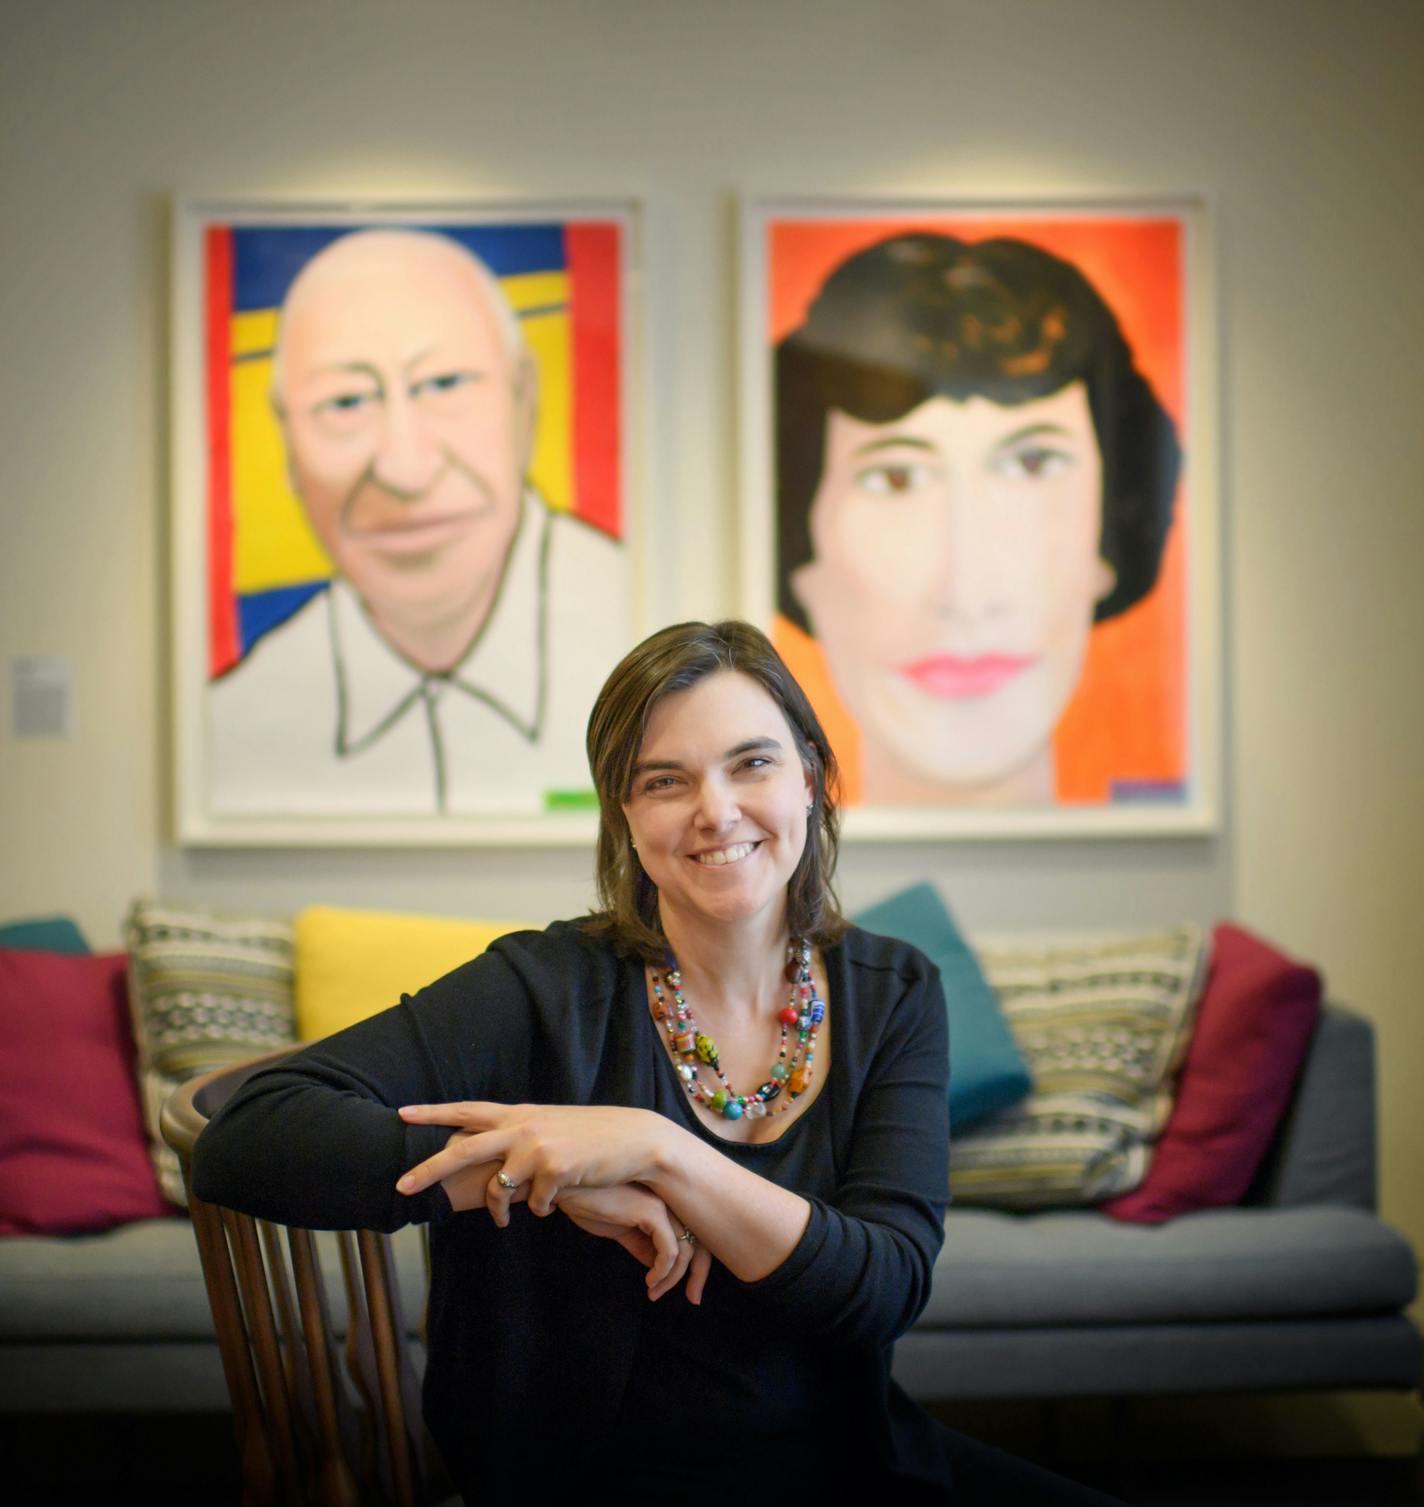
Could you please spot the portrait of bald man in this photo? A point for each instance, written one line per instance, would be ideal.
(451, 663)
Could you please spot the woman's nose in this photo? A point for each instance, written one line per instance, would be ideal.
(716, 805)
(968, 582)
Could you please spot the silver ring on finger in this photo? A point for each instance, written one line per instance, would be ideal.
(505, 1180)
(688, 1236)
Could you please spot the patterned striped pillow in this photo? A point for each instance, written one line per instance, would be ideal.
(205, 990)
(1104, 1025)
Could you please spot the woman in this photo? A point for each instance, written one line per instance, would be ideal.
(971, 472)
(715, 1073)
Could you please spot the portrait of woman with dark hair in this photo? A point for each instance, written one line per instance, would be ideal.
(972, 471)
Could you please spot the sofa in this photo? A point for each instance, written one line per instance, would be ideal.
(1299, 1286)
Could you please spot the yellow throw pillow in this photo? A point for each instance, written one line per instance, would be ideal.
(352, 963)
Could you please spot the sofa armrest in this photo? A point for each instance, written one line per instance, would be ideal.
(1324, 1150)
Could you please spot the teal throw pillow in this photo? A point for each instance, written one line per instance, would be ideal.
(50, 934)
(986, 1069)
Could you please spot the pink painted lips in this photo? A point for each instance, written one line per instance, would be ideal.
(949, 675)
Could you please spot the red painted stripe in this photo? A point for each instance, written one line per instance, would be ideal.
(596, 337)
(223, 647)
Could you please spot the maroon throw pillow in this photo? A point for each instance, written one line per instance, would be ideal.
(1254, 1024)
(73, 1154)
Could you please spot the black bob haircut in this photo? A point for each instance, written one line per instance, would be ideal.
(925, 316)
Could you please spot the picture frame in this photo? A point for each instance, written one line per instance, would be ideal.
(979, 509)
(406, 532)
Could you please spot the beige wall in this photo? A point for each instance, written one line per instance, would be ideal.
(1299, 120)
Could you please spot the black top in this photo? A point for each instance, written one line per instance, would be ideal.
(541, 1332)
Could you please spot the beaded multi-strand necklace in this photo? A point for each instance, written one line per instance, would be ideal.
(690, 1048)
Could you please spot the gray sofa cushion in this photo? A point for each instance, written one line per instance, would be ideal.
(143, 1282)
(1069, 1267)
(1325, 1150)
(1137, 1359)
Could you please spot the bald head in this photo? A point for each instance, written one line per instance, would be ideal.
(385, 268)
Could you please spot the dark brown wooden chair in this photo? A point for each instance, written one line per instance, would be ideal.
(319, 1422)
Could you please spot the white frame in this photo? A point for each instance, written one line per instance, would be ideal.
(194, 825)
(1199, 814)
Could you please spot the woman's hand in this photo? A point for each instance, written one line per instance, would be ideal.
(549, 1146)
(644, 1226)
(467, 1185)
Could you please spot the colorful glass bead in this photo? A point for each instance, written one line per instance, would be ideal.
(804, 1010)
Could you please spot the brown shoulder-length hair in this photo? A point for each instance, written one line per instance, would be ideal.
(675, 659)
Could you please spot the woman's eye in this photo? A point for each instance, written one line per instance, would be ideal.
(895, 478)
(755, 762)
(1033, 462)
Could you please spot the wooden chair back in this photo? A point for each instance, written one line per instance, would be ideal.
(319, 1423)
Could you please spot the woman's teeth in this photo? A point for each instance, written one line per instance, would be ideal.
(726, 855)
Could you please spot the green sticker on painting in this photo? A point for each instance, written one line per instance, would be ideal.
(571, 800)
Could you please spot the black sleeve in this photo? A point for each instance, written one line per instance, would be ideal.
(316, 1141)
(861, 1272)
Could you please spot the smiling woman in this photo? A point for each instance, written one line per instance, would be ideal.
(971, 472)
(668, 762)
(656, 1082)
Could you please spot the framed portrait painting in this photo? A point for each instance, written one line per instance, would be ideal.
(979, 510)
(405, 544)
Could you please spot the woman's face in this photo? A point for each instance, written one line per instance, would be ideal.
(718, 801)
(954, 578)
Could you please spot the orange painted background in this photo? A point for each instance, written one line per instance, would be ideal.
(1127, 719)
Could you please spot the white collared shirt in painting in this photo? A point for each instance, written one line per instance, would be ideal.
(324, 717)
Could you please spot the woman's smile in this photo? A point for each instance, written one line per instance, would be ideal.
(724, 857)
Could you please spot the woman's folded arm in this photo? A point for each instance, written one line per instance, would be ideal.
(855, 1269)
(316, 1140)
